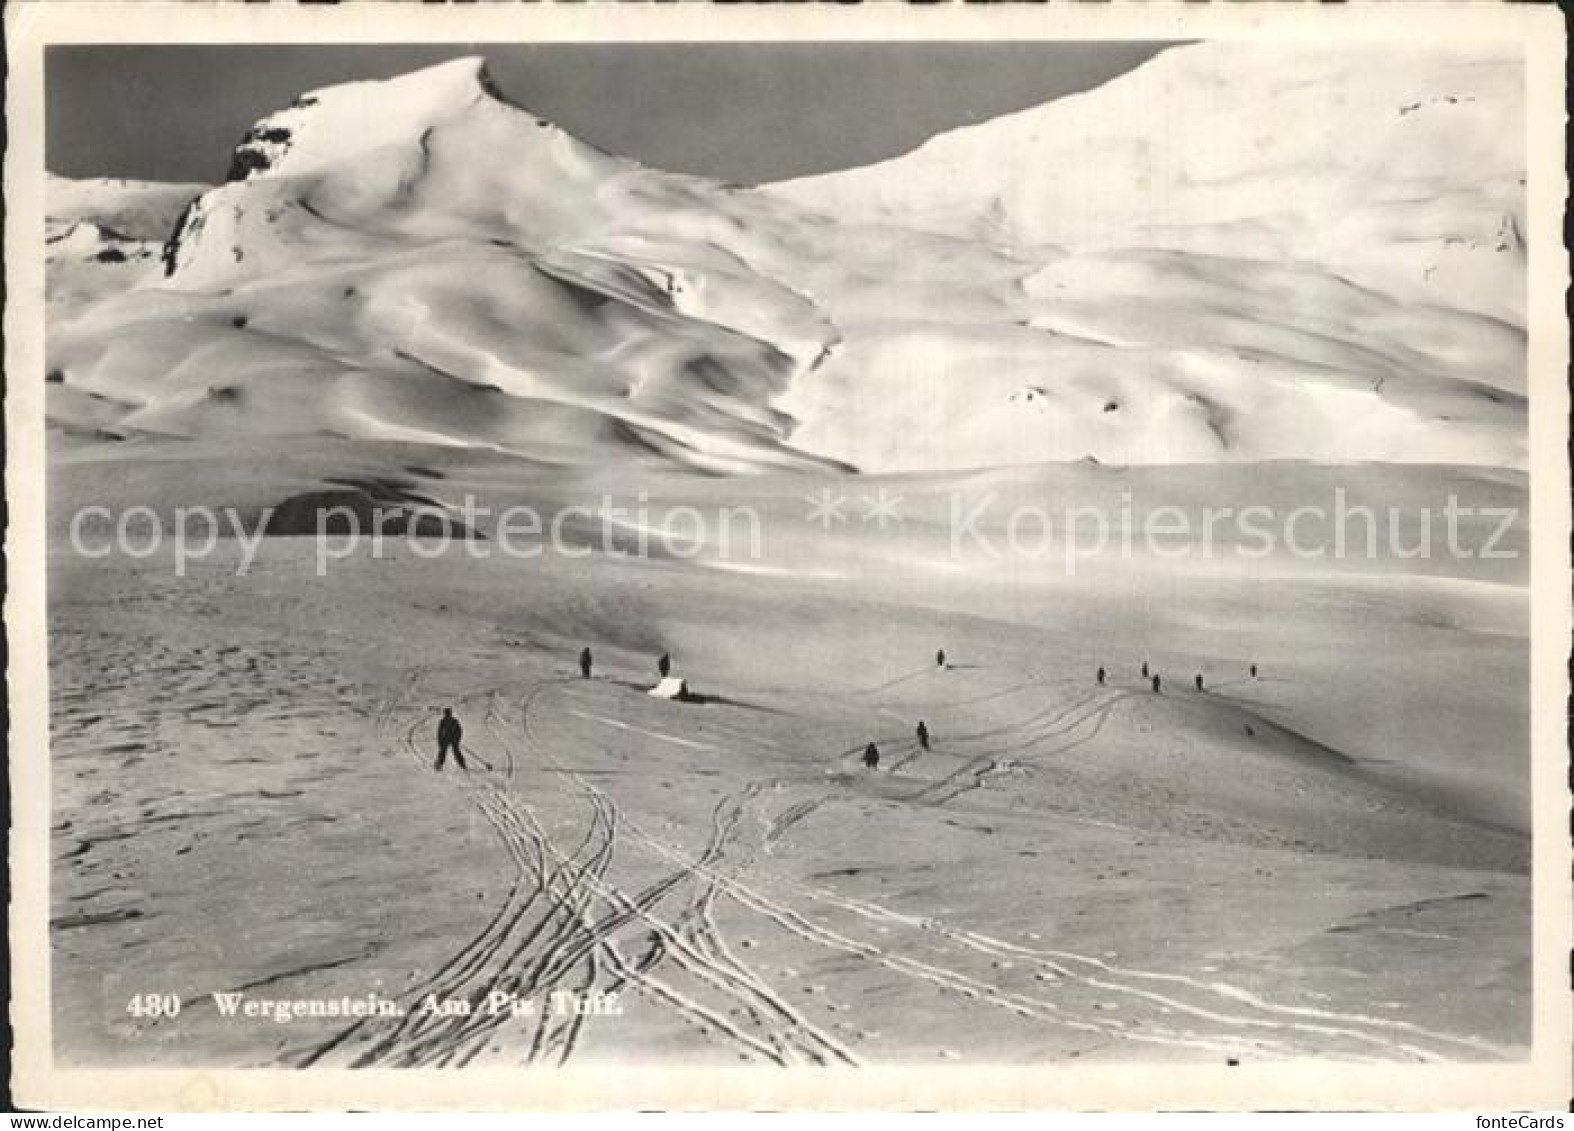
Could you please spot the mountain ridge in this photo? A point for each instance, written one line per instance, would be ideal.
(374, 273)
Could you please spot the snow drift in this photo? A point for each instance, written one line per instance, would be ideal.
(670, 687)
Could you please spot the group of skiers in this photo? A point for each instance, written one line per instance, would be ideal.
(1157, 682)
(587, 664)
(872, 751)
(449, 731)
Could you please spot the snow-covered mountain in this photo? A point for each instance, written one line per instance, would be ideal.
(1228, 254)
(1401, 172)
(104, 236)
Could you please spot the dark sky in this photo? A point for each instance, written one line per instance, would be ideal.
(739, 112)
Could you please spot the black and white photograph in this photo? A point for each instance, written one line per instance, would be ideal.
(953, 551)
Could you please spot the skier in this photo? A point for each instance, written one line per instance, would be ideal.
(1101, 676)
(1156, 684)
(585, 662)
(923, 735)
(1144, 669)
(1254, 671)
(940, 658)
(871, 756)
(448, 734)
(664, 665)
(1199, 681)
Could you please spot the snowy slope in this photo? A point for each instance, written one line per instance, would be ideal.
(1403, 171)
(416, 259)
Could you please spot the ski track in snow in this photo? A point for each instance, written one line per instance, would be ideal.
(641, 730)
(572, 943)
(565, 924)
